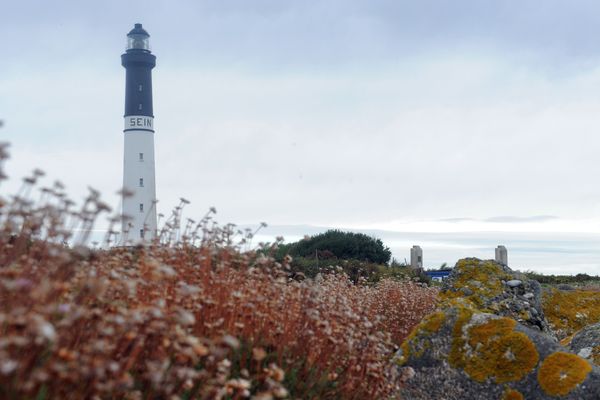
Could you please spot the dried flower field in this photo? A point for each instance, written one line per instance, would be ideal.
(197, 315)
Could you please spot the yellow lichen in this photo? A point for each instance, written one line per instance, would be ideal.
(525, 315)
(464, 315)
(405, 348)
(433, 322)
(561, 372)
(482, 278)
(596, 355)
(511, 394)
(430, 324)
(493, 350)
(569, 311)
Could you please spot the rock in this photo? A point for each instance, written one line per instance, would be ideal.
(475, 284)
(522, 301)
(514, 283)
(492, 341)
(533, 311)
(565, 286)
(460, 352)
(586, 343)
(570, 311)
(406, 374)
(586, 352)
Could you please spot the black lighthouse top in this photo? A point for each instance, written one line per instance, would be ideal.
(138, 62)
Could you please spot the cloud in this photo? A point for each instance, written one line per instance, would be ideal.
(332, 113)
(272, 36)
(456, 219)
(505, 219)
(521, 220)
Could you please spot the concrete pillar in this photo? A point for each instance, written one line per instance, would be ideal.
(501, 255)
(416, 257)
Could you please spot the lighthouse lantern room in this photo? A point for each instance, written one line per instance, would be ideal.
(139, 194)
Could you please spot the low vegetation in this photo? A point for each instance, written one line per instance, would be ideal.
(357, 271)
(201, 317)
(361, 257)
(576, 280)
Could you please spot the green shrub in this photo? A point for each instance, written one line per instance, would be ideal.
(341, 245)
(562, 279)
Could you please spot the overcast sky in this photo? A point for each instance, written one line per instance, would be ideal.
(408, 116)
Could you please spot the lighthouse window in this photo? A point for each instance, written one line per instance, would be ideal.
(140, 88)
(141, 207)
(142, 233)
(140, 106)
(141, 182)
(141, 156)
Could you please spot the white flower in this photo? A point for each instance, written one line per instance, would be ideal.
(8, 366)
(47, 330)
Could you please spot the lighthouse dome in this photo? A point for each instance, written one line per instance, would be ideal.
(138, 39)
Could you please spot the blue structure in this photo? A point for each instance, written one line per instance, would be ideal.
(438, 275)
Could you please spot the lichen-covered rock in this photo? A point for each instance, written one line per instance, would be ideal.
(569, 311)
(489, 339)
(496, 289)
(460, 352)
(586, 343)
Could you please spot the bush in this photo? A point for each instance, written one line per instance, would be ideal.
(341, 245)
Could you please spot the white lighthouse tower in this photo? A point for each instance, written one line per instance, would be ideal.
(139, 205)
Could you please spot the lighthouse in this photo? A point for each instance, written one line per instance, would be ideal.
(139, 194)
